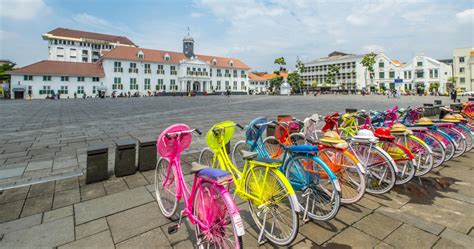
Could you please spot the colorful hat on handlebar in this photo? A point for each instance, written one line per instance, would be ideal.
(383, 133)
(459, 117)
(450, 118)
(398, 128)
(424, 121)
(331, 138)
(365, 134)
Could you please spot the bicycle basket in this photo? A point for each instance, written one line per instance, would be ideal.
(309, 129)
(214, 140)
(282, 130)
(167, 147)
(253, 133)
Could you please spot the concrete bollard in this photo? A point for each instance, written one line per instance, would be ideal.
(146, 154)
(125, 155)
(97, 163)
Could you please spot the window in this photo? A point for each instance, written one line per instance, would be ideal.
(95, 79)
(227, 87)
(381, 75)
(436, 73)
(419, 74)
(431, 73)
(27, 77)
(84, 59)
(80, 89)
(419, 64)
(407, 74)
(46, 78)
(133, 68)
(159, 85)
(118, 67)
(462, 79)
(227, 73)
(64, 78)
(160, 70)
(133, 84)
(147, 68)
(391, 75)
(219, 74)
(235, 74)
(30, 90)
(63, 90)
(235, 85)
(461, 70)
(94, 89)
(218, 87)
(461, 59)
(117, 83)
(242, 85)
(381, 64)
(45, 90)
(80, 79)
(242, 74)
(147, 84)
(173, 70)
(173, 85)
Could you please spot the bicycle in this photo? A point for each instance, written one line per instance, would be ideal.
(460, 124)
(317, 187)
(270, 196)
(208, 205)
(381, 170)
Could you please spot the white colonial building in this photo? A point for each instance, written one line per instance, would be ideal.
(132, 70)
(81, 46)
(350, 77)
(387, 74)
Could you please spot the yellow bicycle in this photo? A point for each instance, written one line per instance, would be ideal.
(271, 198)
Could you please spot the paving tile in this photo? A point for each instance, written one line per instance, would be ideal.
(135, 180)
(377, 225)
(149, 176)
(383, 245)
(36, 205)
(411, 219)
(64, 164)
(20, 224)
(14, 194)
(351, 213)
(92, 191)
(151, 239)
(36, 165)
(7, 173)
(408, 235)
(115, 185)
(353, 238)
(66, 198)
(91, 227)
(391, 199)
(11, 210)
(320, 231)
(183, 238)
(448, 244)
(57, 214)
(107, 205)
(99, 241)
(457, 237)
(49, 234)
(368, 203)
(45, 188)
(65, 184)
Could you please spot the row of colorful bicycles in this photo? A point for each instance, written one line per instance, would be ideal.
(299, 167)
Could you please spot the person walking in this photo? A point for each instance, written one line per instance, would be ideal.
(453, 95)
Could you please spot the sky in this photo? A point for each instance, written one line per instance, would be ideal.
(255, 31)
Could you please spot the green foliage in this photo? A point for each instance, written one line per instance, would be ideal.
(314, 83)
(434, 86)
(331, 75)
(280, 61)
(369, 61)
(295, 81)
(299, 66)
(276, 82)
(4, 69)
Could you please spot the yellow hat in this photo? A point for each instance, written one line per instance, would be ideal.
(424, 121)
(450, 118)
(398, 128)
(332, 138)
(459, 117)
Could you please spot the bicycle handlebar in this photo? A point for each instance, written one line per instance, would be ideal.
(168, 135)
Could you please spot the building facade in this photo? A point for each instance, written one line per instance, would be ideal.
(260, 82)
(463, 68)
(387, 74)
(80, 46)
(350, 76)
(131, 70)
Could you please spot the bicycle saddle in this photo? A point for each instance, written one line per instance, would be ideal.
(304, 148)
(196, 167)
(249, 155)
(214, 174)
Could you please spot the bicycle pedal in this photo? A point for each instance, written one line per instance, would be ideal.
(173, 229)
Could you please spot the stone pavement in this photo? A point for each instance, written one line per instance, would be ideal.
(43, 140)
(436, 212)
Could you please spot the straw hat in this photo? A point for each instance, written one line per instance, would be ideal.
(424, 121)
(459, 117)
(331, 137)
(398, 128)
(450, 118)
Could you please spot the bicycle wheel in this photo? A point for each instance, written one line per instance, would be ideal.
(297, 138)
(165, 188)
(281, 225)
(214, 210)
(421, 151)
(449, 144)
(272, 145)
(405, 166)
(437, 147)
(237, 159)
(316, 192)
(350, 177)
(467, 134)
(206, 157)
(379, 167)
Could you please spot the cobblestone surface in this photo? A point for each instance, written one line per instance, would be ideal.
(122, 212)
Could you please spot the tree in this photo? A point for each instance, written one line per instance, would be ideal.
(275, 83)
(331, 75)
(280, 61)
(368, 61)
(314, 84)
(434, 87)
(295, 81)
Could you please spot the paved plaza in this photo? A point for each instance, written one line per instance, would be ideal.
(42, 141)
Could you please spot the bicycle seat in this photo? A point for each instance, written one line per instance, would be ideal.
(214, 174)
(196, 167)
(304, 148)
(249, 155)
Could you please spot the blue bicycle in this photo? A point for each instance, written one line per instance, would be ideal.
(318, 190)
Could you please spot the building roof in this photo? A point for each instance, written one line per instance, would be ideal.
(396, 62)
(152, 55)
(256, 77)
(78, 34)
(270, 76)
(61, 68)
(335, 56)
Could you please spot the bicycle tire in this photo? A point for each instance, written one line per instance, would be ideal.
(468, 135)
(379, 167)
(212, 204)
(325, 198)
(206, 157)
(437, 147)
(272, 145)
(237, 159)
(273, 177)
(450, 146)
(405, 167)
(422, 153)
(167, 205)
(351, 179)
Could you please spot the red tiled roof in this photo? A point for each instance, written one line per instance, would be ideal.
(152, 55)
(253, 76)
(47, 67)
(90, 35)
(273, 75)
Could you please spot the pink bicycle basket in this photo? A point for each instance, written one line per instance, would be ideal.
(167, 147)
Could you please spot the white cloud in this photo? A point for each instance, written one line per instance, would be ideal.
(22, 9)
(466, 16)
(373, 48)
(87, 19)
(196, 14)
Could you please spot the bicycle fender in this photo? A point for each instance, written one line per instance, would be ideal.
(422, 142)
(234, 210)
(353, 158)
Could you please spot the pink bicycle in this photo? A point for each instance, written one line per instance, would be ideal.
(209, 205)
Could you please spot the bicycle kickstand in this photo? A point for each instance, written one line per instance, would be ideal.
(174, 228)
(261, 237)
(305, 215)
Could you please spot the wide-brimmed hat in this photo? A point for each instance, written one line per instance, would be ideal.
(383, 133)
(333, 139)
(364, 134)
(424, 121)
(398, 128)
(450, 118)
(459, 117)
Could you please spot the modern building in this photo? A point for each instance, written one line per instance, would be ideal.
(463, 68)
(81, 46)
(423, 71)
(350, 76)
(129, 69)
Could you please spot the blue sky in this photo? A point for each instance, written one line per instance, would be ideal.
(254, 31)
